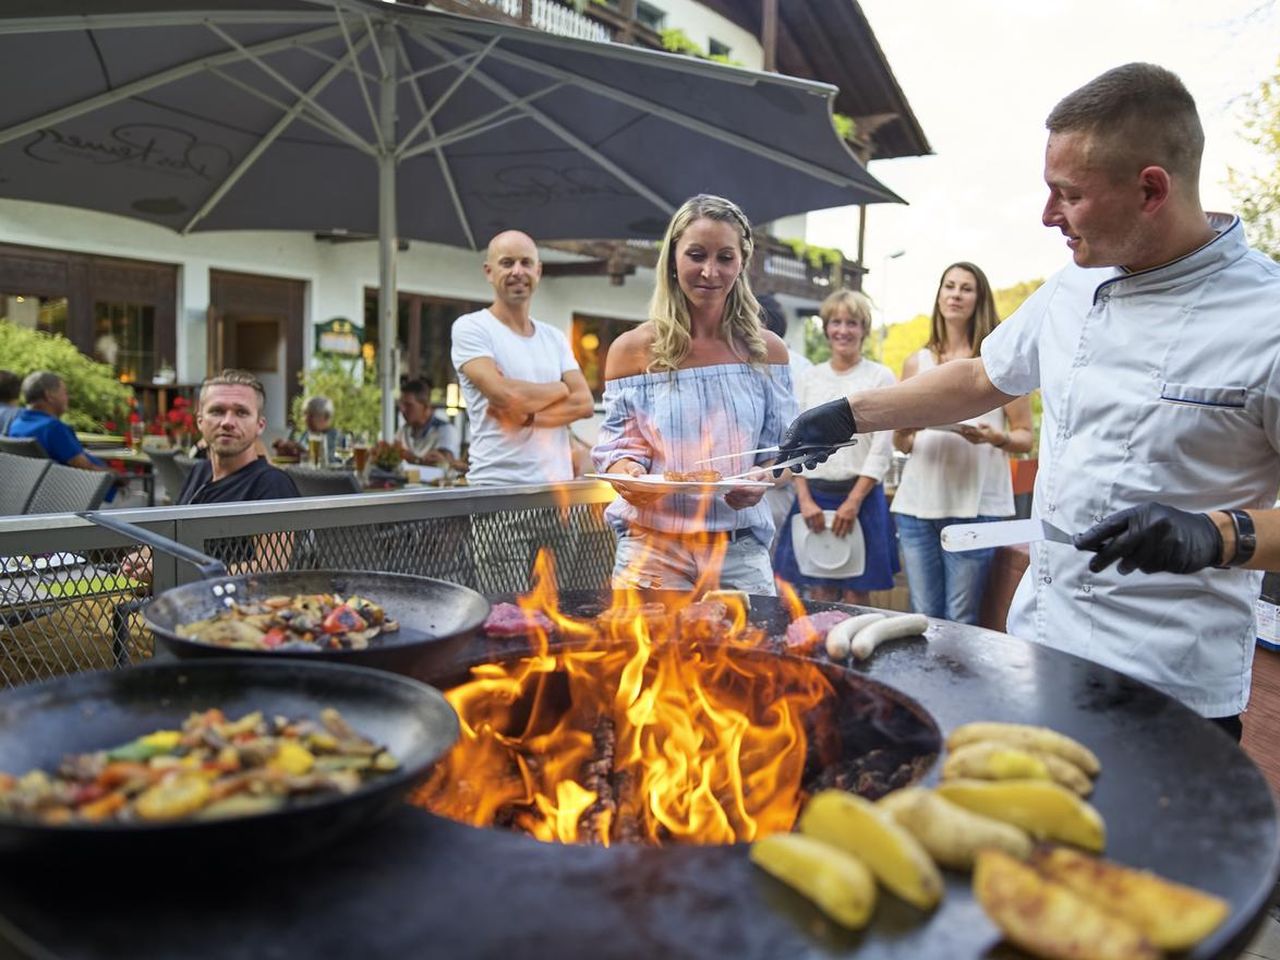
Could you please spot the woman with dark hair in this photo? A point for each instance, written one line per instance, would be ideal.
(699, 379)
(844, 494)
(959, 473)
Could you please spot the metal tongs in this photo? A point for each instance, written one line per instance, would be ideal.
(804, 453)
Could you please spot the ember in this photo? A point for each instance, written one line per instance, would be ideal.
(659, 724)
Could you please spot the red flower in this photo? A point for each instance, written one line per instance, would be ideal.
(134, 417)
(109, 425)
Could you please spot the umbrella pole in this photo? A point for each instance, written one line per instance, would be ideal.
(387, 234)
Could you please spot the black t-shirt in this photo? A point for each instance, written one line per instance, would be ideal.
(257, 481)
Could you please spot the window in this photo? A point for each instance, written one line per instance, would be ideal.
(46, 314)
(717, 49)
(590, 340)
(650, 16)
(423, 336)
(124, 336)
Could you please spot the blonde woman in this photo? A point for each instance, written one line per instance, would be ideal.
(700, 378)
(956, 477)
(848, 484)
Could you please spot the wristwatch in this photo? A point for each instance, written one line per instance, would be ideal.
(1246, 538)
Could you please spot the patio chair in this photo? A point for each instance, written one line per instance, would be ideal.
(69, 489)
(172, 469)
(323, 483)
(23, 447)
(19, 477)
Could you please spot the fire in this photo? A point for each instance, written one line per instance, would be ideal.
(648, 725)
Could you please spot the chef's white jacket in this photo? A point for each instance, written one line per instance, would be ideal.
(1158, 385)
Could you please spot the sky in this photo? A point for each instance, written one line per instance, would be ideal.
(981, 77)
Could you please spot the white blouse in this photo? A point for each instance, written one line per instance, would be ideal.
(947, 476)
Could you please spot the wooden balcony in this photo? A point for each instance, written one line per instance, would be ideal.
(775, 268)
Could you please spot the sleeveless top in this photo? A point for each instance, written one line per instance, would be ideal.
(947, 476)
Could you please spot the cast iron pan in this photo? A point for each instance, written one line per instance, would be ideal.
(436, 618)
(41, 723)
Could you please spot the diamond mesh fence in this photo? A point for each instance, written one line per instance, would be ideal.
(71, 611)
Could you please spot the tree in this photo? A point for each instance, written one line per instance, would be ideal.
(1257, 192)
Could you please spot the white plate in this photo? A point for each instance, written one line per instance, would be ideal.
(54, 560)
(824, 554)
(950, 427)
(655, 483)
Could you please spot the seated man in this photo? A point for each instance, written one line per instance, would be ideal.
(10, 390)
(425, 436)
(230, 418)
(317, 416)
(45, 395)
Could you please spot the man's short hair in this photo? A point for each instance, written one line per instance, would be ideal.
(38, 385)
(10, 386)
(318, 407)
(772, 315)
(1139, 114)
(235, 378)
(419, 389)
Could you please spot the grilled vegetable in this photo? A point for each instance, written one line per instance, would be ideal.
(1034, 738)
(1045, 810)
(992, 760)
(951, 834)
(869, 833)
(1170, 915)
(836, 881)
(1047, 919)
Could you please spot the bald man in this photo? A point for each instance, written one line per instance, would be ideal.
(519, 378)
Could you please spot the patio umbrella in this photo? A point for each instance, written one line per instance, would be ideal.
(371, 117)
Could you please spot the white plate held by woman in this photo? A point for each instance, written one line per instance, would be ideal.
(824, 555)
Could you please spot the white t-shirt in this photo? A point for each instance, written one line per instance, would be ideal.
(872, 454)
(947, 476)
(499, 454)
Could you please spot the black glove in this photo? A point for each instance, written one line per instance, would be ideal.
(1153, 538)
(821, 427)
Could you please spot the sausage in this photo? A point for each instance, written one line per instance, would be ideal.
(841, 635)
(908, 625)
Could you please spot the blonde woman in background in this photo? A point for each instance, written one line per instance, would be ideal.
(700, 378)
(961, 476)
(849, 482)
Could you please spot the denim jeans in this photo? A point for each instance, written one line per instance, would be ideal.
(945, 585)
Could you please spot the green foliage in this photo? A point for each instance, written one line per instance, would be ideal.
(820, 258)
(98, 399)
(1010, 298)
(357, 404)
(846, 127)
(676, 40)
(1258, 193)
(816, 347)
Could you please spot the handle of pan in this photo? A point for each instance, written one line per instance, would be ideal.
(210, 569)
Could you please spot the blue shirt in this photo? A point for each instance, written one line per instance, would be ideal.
(58, 440)
(667, 421)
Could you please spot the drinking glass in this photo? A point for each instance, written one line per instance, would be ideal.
(360, 451)
(315, 449)
(342, 450)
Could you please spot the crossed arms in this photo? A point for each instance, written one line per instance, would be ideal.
(524, 403)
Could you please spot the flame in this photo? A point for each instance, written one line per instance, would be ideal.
(642, 726)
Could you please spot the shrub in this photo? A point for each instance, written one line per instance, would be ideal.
(357, 405)
(98, 400)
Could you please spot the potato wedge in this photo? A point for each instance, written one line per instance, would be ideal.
(1047, 919)
(949, 833)
(1035, 738)
(838, 883)
(1045, 810)
(893, 855)
(1170, 915)
(993, 760)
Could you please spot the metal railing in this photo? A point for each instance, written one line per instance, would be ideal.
(553, 17)
(67, 605)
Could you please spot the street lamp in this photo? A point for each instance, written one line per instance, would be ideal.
(884, 282)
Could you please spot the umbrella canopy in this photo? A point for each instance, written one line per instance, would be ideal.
(372, 117)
